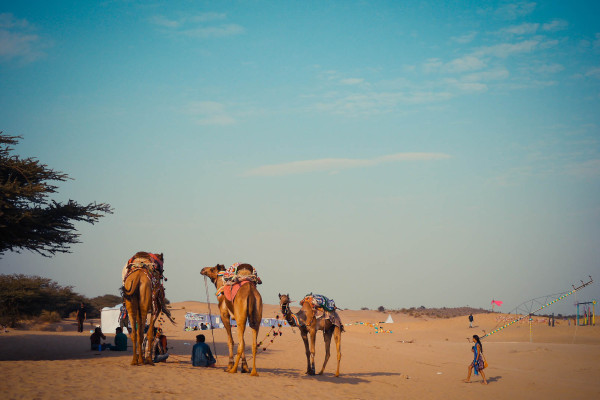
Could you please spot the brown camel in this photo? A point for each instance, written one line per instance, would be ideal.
(246, 306)
(143, 293)
(308, 324)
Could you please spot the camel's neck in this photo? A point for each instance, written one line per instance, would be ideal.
(289, 317)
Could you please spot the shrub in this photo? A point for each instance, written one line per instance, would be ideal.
(49, 316)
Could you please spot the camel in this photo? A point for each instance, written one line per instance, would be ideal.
(246, 306)
(143, 293)
(308, 324)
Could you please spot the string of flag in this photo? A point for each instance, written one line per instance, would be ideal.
(539, 309)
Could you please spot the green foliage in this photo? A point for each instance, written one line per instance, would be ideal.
(25, 296)
(28, 218)
(108, 300)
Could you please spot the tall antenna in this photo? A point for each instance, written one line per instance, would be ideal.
(532, 302)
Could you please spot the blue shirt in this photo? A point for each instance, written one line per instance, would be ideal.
(201, 355)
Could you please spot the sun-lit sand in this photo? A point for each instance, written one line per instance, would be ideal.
(421, 359)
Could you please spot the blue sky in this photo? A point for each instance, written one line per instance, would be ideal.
(380, 153)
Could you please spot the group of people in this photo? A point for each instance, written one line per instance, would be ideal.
(201, 354)
(97, 336)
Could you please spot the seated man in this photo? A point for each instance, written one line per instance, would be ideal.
(201, 354)
(120, 341)
(159, 347)
(95, 340)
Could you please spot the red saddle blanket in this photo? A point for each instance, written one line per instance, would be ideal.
(230, 291)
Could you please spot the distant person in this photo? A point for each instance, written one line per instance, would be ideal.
(120, 340)
(470, 320)
(81, 317)
(478, 361)
(203, 326)
(201, 354)
(159, 347)
(95, 340)
(124, 318)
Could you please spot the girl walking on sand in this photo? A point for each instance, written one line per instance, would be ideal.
(478, 361)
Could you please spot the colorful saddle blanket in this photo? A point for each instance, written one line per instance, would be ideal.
(230, 291)
(319, 302)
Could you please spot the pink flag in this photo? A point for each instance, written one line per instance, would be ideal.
(497, 302)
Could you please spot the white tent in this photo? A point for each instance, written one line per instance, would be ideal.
(109, 319)
(389, 319)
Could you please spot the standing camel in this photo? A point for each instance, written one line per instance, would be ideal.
(246, 305)
(143, 293)
(308, 324)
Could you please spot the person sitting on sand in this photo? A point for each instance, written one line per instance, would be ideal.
(159, 347)
(201, 354)
(478, 361)
(120, 341)
(95, 339)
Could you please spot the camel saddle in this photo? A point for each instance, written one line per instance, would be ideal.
(230, 291)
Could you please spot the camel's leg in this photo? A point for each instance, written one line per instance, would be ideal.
(145, 300)
(304, 334)
(150, 342)
(254, 344)
(131, 306)
(227, 325)
(313, 335)
(255, 319)
(240, 318)
(327, 338)
(337, 334)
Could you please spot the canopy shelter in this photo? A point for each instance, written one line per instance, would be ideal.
(193, 321)
(389, 319)
(109, 319)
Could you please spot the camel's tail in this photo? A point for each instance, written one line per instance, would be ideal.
(167, 312)
(129, 288)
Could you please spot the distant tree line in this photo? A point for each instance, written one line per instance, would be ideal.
(27, 296)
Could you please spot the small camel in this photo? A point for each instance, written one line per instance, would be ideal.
(143, 293)
(308, 324)
(246, 306)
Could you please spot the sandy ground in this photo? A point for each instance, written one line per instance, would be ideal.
(420, 359)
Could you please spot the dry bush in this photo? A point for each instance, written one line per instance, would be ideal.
(49, 316)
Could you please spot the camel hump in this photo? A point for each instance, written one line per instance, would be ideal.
(245, 269)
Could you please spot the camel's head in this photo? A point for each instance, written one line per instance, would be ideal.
(284, 302)
(212, 272)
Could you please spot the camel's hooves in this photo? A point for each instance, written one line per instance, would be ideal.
(254, 373)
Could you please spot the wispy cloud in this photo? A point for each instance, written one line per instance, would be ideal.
(593, 72)
(333, 165)
(205, 25)
(18, 40)
(376, 103)
(483, 76)
(504, 50)
(522, 29)
(209, 113)
(466, 38)
(556, 25)
(515, 10)
(461, 64)
(214, 31)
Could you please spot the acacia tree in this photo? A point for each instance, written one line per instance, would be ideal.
(29, 219)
